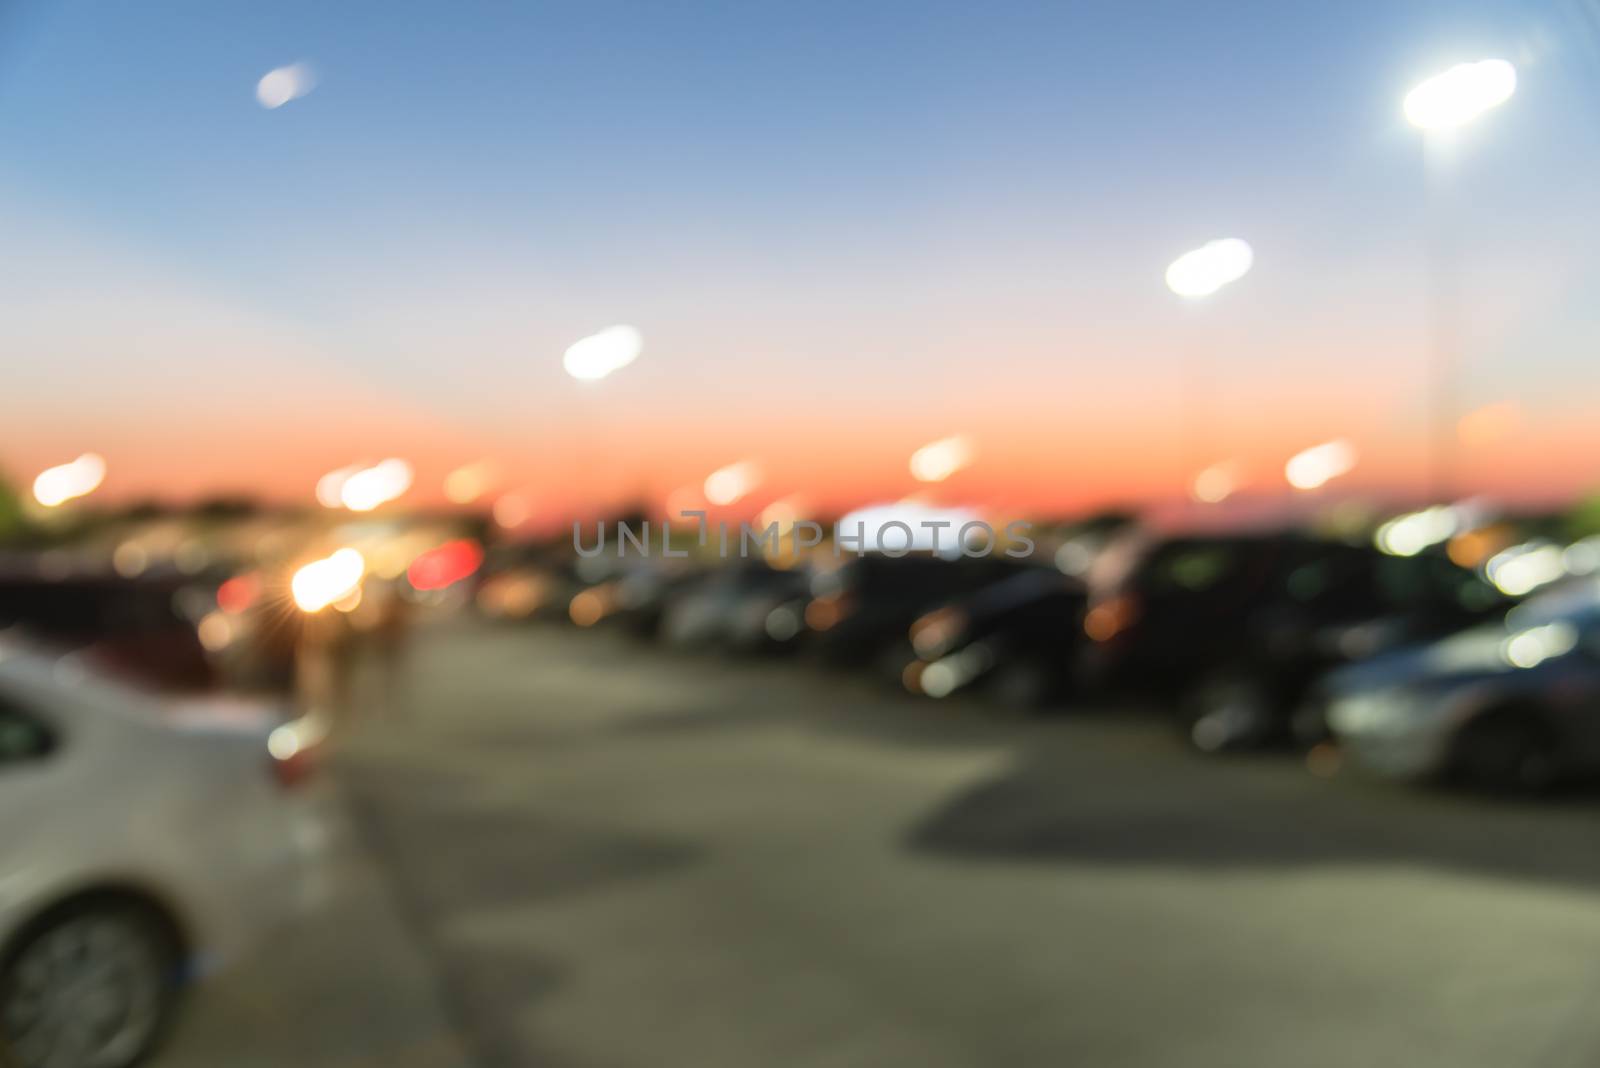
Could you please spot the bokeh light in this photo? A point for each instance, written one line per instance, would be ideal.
(322, 582)
(1216, 483)
(1320, 464)
(372, 486)
(727, 485)
(57, 485)
(278, 87)
(1208, 268)
(940, 459)
(598, 355)
(1460, 94)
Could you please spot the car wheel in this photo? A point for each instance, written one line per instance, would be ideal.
(1507, 752)
(1227, 712)
(92, 986)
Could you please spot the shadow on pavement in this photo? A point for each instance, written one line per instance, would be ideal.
(1247, 820)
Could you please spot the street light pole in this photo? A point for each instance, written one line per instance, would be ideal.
(1194, 276)
(589, 360)
(1438, 107)
(1444, 318)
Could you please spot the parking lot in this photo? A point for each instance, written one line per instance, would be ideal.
(727, 535)
(565, 848)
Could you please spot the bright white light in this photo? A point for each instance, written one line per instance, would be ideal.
(1523, 568)
(728, 484)
(940, 679)
(1210, 267)
(57, 485)
(1460, 94)
(598, 355)
(330, 487)
(277, 87)
(1216, 483)
(372, 486)
(938, 460)
(322, 582)
(1408, 535)
(1534, 646)
(290, 739)
(1319, 464)
(874, 519)
(283, 743)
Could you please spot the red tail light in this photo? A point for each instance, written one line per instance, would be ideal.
(238, 593)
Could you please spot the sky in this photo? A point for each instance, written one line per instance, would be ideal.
(844, 230)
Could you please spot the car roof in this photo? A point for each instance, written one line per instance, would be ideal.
(62, 681)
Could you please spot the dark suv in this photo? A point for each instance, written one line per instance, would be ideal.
(1237, 629)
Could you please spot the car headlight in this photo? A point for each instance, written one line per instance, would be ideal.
(1370, 713)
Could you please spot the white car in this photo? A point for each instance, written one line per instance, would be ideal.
(142, 843)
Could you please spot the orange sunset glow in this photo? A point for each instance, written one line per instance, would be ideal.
(268, 339)
(822, 534)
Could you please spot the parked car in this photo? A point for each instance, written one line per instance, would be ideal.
(634, 593)
(769, 615)
(738, 606)
(136, 627)
(1235, 630)
(143, 843)
(1016, 637)
(518, 583)
(861, 612)
(1513, 705)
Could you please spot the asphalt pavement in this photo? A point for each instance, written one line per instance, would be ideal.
(567, 848)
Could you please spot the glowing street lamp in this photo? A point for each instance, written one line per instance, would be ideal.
(1460, 94)
(1443, 103)
(59, 484)
(372, 486)
(1195, 275)
(278, 87)
(326, 581)
(1315, 467)
(361, 488)
(726, 485)
(940, 459)
(598, 355)
(1205, 270)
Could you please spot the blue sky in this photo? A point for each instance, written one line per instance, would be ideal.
(853, 189)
